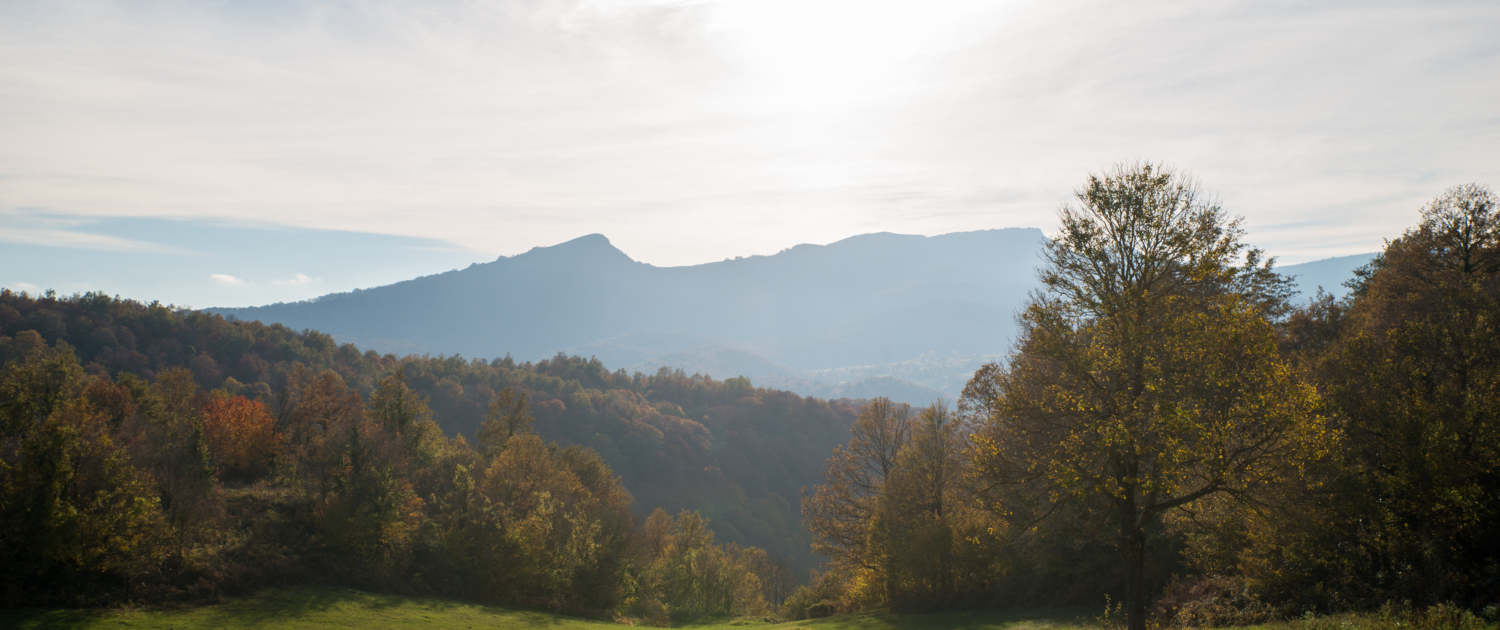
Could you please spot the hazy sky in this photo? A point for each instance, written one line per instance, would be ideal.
(690, 131)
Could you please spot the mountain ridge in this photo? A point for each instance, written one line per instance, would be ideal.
(809, 306)
(810, 317)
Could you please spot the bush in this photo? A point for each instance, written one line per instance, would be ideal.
(823, 596)
(1207, 601)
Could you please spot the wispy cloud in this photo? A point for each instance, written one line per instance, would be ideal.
(275, 263)
(224, 278)
(744, 126)
(36, 227)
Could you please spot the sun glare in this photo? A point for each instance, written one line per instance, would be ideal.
(822, 53)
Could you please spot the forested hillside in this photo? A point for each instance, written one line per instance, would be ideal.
(737, 454)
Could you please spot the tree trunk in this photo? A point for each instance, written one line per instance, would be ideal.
(1133, 557)
(1135, 576)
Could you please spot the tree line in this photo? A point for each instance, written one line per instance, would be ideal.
(1171, 431)
(122, 482)
(735, 453)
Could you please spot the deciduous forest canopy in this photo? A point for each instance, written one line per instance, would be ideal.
(1170, 429)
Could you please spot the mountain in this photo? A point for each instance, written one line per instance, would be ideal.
(814, 319)
(870, 299)
(1329, 274)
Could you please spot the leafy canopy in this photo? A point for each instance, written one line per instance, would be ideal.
(1147, 375)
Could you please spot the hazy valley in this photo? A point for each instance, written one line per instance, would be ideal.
(903, 316)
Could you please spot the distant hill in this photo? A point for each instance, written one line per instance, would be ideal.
(1330, 274)
(924, 311)
(892, 387)
(871, 299)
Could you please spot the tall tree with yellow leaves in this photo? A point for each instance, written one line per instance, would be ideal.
(1147, 373)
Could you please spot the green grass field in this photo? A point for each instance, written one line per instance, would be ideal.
(309, 608)
(977, 620)
(303, 608)
(306, 608)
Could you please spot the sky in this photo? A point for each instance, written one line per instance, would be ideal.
(239, 152)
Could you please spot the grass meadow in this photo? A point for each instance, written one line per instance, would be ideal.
(330, 608)
(309, 608)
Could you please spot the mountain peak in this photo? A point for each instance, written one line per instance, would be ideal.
(588, 249)
(589, 240)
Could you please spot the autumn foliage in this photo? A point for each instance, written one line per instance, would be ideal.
(736, 453)
(1171, 432)
(115, 487)
(241, 435)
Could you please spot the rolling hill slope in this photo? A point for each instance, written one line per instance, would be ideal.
(868, 299)
(810, 318)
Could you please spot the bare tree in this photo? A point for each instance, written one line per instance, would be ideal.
(840, 511)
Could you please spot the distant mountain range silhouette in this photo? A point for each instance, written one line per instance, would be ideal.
(849, 307)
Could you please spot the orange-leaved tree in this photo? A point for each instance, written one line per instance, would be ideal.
(241, 435)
